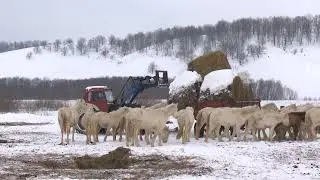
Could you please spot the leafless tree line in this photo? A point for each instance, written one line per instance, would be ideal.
(272, 90)
(233, 38)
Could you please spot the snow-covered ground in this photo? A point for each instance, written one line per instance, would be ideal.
(231, 160)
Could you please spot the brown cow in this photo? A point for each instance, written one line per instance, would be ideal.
(296, 120)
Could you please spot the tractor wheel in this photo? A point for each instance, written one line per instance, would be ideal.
(80, 129)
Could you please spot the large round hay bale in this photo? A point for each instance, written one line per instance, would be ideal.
(241, 91)
(209, 62)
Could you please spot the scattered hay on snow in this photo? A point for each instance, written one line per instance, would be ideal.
(117, 159)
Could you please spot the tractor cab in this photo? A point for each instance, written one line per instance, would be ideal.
(101, 96)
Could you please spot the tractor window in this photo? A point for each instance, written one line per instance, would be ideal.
(89, 96)
(98, 95)
(109, 95)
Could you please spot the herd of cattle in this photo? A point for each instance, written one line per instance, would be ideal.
(291, 122)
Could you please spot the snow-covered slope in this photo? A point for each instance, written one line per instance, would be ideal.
(298, 71)
(53, 65)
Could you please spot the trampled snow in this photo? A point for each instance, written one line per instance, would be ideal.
(231, 160)
(217, 80)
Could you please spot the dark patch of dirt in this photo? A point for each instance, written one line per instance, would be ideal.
(21, 124)
(117, 159)
(4, 141)
(119, 164)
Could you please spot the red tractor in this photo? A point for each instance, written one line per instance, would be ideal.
(103, 97)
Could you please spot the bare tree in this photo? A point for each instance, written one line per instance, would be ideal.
(82, 46)
(101, 40)
(152, 67)
(64, 51)
(112, 41)
(125, 48)
(56, 45)
(104, 52)
(37, 50)
(43, 43)
(69, 44)
(29, 55)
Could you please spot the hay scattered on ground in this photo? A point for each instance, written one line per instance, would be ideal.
(117, 159)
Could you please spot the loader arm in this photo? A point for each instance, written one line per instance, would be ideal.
(136, 85)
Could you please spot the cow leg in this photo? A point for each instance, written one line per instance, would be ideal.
(73, 130)
(271, 132)
(61, 143)
(147, 135)
(237, 130)
(68, 133)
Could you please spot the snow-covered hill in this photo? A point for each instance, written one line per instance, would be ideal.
(296, 67)
(55, 66)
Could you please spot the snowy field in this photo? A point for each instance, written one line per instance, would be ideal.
(227, 160)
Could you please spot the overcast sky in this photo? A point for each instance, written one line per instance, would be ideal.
(51, 19)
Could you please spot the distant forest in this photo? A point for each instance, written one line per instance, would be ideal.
(242, 40)
(272, 90)
(22, 88)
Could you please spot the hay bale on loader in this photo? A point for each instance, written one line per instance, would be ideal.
(209, 62)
